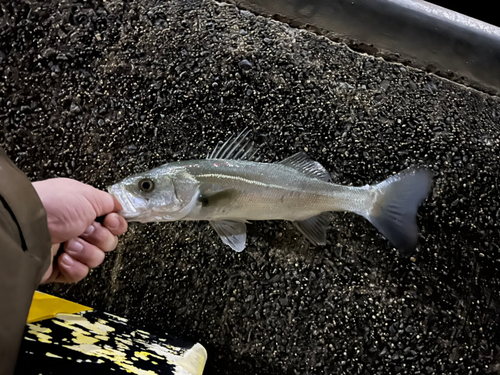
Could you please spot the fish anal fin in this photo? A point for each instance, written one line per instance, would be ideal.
(303, 163)
(314, 228)
(232, 233)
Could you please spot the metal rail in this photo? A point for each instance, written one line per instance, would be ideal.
(415, 32)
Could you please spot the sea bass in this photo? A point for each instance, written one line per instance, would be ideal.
(228, 189)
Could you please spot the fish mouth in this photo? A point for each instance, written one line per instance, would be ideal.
(129, 211)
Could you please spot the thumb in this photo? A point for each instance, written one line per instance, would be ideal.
(102, 202)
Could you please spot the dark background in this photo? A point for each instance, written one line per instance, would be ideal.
(481, 10)
(97, 90)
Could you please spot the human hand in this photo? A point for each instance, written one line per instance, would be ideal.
(72, 208)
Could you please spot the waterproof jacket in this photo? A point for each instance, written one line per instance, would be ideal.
(24, 256)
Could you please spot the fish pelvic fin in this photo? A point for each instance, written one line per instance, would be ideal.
(394, 210)
(232, 233)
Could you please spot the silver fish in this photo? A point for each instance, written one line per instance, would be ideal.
(229, 189)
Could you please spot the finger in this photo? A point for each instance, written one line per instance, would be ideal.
(84, 252)
(71, 270)
(117, 206)
(102, 202)
(115, 223)
(101, 237)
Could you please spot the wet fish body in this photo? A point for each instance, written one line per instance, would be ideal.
(245, 190)
(228, 191)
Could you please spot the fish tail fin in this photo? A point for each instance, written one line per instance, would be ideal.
(395, 205)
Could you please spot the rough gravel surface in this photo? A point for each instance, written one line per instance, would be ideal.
(97, 90)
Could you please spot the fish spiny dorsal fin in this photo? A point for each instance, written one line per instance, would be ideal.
(303, 163)
(235, 148)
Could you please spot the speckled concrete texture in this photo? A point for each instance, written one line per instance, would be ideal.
(97, 90)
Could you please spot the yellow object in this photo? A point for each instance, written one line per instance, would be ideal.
(102, 338)
(44, 306)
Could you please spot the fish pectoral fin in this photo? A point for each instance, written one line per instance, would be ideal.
(303, 163)
(220, 198)
(314, 228)
(232, 233)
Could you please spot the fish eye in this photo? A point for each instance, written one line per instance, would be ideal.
(146, 185)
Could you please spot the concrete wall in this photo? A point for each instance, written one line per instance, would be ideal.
(97, 91)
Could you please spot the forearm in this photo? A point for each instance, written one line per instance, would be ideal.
(24, 256)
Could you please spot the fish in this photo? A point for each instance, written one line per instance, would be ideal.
(231, 188)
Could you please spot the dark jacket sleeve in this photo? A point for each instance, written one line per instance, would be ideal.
(24, 256)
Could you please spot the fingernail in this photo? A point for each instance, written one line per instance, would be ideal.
(74, 246)
(89, 230)
(67, 260)
(113, 222)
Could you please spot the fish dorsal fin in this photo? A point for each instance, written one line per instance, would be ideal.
(314, 228)
(236, 148)
(232, 233)
(303, 163)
